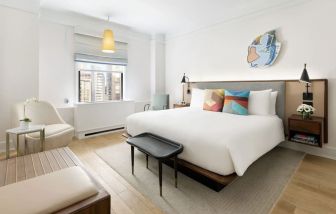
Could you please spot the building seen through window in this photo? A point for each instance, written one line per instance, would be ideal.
(100, 82)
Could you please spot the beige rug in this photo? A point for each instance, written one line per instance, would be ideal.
(255, 192)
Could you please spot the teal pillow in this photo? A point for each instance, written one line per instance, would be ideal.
(236, 102)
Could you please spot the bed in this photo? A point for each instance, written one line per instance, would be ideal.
(217, 146)
(219, 142)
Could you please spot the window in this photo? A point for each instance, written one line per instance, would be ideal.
(100, 82)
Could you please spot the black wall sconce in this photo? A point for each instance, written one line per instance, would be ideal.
(307, 97)
(184, 80)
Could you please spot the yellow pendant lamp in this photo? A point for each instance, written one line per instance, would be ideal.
(108, 45)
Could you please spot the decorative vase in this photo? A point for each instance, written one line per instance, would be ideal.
(306, 115)
(24, 124)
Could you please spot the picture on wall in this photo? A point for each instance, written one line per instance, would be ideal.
(264, 50)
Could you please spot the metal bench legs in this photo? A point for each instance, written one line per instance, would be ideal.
(160, 176)
(160, 168)
(132, 158)
(175, 169)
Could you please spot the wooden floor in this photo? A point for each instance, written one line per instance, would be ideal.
(124, 198)
(312, 188)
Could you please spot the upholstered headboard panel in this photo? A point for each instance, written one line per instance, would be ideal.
(279, 86)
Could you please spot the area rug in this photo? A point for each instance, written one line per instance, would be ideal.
(255, 192)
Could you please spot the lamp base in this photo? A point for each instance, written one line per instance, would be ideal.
(307, 96)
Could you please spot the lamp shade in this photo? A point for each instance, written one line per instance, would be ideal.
(304, 76)
(108, 45)
(183, 79)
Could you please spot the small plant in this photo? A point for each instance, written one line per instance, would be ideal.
(27, 120)
(306, 110)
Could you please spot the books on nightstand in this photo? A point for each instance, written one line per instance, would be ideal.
(307, 139)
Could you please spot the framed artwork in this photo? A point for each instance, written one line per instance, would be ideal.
(264, 50)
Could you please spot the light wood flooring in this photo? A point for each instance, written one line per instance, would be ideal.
(312, 188)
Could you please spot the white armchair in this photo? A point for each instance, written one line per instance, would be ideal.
(57, 132)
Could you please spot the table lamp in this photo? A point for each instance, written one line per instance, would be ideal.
(307, 96)
(184, 80)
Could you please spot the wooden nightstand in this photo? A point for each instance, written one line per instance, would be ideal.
(179, 105)
(311, 128)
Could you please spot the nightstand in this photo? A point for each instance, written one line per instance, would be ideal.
(306, 131)
(179, 105)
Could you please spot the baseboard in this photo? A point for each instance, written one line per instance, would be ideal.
(325, 151)
(98, 132)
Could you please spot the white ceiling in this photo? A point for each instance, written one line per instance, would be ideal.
(166, 16)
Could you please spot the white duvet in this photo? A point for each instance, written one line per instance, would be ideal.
(220, 142)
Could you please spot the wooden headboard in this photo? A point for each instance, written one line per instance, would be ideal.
(289, 98)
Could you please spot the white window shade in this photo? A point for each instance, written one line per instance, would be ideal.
(88, 49)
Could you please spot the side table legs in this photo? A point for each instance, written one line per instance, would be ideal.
(7, 145)
(17, 145)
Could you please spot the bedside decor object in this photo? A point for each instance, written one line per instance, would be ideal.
(236, 102)
(108, 45)
(213, 100)
(306, 97)
(309, 132)
(264, 50)
(305, 111)
(185, 80)
(24, 123)
(179, 105)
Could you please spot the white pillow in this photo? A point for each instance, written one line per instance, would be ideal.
(274, 95)
(197, 98)
(259, 102)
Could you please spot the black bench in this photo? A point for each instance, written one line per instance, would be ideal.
(156, 147)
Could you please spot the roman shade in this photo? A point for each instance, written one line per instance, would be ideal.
(88, 49)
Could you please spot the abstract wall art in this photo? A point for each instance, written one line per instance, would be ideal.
(264, 50)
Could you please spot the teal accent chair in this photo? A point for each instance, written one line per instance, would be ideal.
(158, 102)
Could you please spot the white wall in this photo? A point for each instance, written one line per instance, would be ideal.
(18, 61)
(137, 85)
(56, 63)
(158, 75)
(23, 5)
(219, 52)
(94, 117)
(58, 75)
(59, 28)
(50, 74)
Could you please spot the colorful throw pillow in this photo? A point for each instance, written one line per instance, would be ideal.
(213, 99)
(236, 102)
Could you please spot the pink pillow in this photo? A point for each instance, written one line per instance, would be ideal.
(213, 99)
